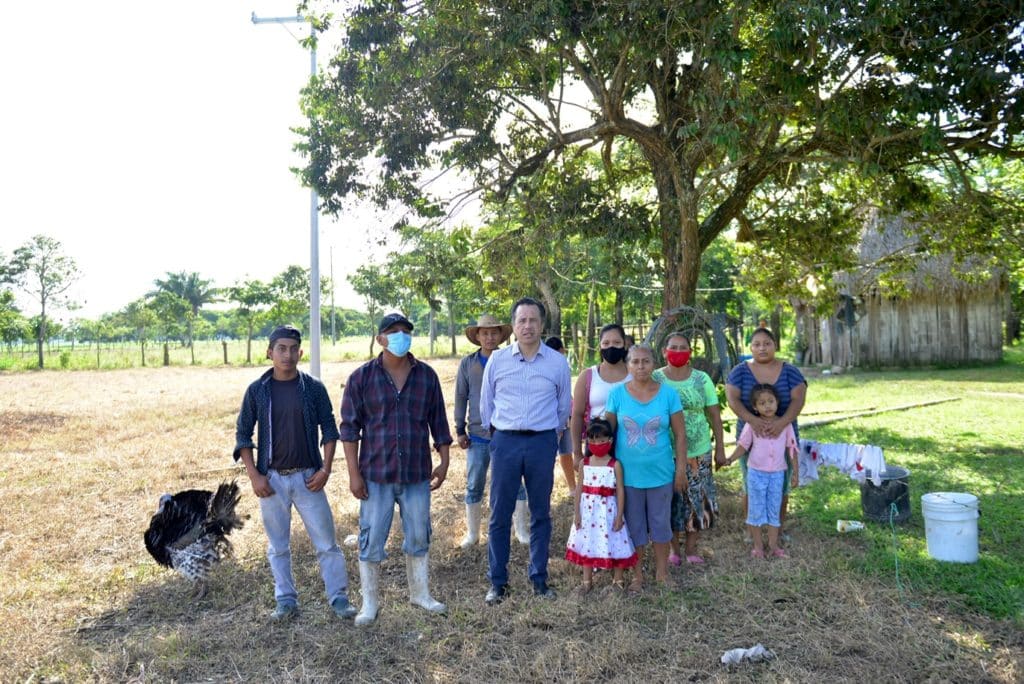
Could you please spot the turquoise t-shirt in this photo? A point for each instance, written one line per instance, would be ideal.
(643, 438)
(696, 393)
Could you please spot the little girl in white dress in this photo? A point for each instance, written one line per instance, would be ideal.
(599, 538)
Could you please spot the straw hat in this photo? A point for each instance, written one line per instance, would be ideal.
(487, 321)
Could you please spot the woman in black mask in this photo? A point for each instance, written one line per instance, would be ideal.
(594, 383)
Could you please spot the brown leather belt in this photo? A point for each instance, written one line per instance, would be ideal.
(289, 471)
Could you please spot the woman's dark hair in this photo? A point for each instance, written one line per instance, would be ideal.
(599, 427)
(555, 343)
(758, 390)
(610, 327)
(769, 333)
(679, 333)
(529, 301)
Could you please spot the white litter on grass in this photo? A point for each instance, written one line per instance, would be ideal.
(754, 654)
(351, 540)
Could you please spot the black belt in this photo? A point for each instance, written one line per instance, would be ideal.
(524, 433)
(289, 471)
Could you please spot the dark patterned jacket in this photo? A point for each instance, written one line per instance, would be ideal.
(317, 412)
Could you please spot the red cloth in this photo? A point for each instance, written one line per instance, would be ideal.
(603, 563)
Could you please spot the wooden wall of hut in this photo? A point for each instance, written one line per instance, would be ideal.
(930, 328)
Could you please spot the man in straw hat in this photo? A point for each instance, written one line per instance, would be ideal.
(474, 437)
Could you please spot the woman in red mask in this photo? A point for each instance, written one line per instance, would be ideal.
(696, 509)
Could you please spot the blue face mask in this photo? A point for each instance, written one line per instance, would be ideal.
(399, 343)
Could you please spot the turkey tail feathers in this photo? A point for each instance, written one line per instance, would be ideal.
(222, 519)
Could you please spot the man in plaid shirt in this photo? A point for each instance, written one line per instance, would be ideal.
(389, 409)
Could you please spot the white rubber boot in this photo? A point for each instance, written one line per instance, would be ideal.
(369, 574)
(472, 525)
(418, 574)
(520, 520)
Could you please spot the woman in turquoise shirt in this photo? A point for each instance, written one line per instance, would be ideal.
(650, 443)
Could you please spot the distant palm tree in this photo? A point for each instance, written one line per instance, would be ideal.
(193, 290)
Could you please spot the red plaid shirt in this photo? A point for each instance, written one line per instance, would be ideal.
(394, 426)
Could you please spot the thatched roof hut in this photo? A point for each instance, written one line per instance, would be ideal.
(938, 315)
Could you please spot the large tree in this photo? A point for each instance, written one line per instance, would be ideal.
(717, 97)
(194, 291)
(43, 271)
(254, 297)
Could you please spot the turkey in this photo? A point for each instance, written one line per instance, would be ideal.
(189, 531)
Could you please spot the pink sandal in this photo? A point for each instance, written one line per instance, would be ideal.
(757, 553)
(695, 560)
(780, 553)
(674, 559)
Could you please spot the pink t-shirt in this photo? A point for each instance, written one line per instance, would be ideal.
(767, 454)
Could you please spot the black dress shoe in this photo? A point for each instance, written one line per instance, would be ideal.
(496, 595)
(542, 590)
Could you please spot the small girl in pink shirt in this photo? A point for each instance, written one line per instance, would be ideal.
(766, 472)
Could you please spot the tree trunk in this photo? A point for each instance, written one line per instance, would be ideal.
(167, 354)
(451, 323)
(142, 344)
(1012, 326)
(589, 331)
(619, 316)
(680, 242)
(41, 332)
(432, 329)
(547, 293)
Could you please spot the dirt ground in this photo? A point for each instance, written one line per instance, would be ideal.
(84, 457)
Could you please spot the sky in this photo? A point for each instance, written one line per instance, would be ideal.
(153, 137)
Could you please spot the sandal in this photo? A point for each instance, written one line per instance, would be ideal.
(618, 586)
(695, 560)
(585, 588)
(674, 559)
(757, 553)
(780, 553)
(636, 587)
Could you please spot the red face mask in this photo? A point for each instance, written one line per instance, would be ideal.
(677, 358)
(599, 449)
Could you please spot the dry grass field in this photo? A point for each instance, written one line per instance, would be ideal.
(85, 455)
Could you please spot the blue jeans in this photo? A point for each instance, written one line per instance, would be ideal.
(515, 458)
(478, 459)
(764, 497)
(377, 512)
(315, 511)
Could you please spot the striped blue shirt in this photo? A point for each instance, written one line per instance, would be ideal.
(521, 394)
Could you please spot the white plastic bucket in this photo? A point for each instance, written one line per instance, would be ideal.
(951, 526)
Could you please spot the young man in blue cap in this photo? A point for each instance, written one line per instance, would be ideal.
(291, 407)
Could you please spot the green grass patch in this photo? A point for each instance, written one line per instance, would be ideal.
(970, 445)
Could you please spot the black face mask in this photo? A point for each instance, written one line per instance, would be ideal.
(613, 354)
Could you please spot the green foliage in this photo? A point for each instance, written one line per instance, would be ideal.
(946, 447)
(716, 99)
(42, 270)
(178, 299)
(13, 326)
(254, 300)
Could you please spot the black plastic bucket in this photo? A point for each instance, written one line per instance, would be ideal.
(895, 489)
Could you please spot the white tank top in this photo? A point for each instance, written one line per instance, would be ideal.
(599, 389)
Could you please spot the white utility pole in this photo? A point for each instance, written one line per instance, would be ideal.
(314, 216)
